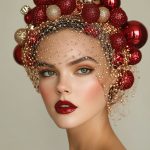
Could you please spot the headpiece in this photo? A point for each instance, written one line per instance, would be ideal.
(102, 19)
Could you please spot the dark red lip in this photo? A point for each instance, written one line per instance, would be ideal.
(60, 108)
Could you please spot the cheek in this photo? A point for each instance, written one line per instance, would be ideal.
(91, 90)
(46, 91)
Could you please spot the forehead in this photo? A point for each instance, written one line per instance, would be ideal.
(68, 44)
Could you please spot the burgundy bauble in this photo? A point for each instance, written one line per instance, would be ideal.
(39, 15)
(118, 41)
(118, 17)
(29, 17)
(118, 59)
(111, 4)
(90, 13)
(66, 6)
(44, 2)
(126, 80)
(135, 33)
(135, 55)
(17, 54)
(89, 29)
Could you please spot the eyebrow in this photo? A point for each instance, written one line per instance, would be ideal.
(85, 58)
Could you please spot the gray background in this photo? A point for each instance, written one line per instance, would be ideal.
(24, 122)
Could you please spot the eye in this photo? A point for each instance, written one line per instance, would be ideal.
(85, 70)
(46, 73)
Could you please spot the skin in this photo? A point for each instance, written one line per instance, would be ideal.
(88, 127)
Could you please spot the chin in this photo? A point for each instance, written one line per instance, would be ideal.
(67, 123)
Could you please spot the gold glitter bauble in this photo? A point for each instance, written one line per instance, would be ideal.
(20, 36)
(53, 12)
(104, 14)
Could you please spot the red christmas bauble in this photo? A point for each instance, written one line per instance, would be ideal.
(126, 80)
(44, 2)
(135, 33)
(111, 4)
(118, 41)
(89, 29)
(135, 55)
(118, 59)
(39, 14)
(67, 6)
(17, 54)
(118, 17)
(90, 13)
(29, 17)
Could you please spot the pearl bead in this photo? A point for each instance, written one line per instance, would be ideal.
(20, 36)
(97, 2)
(53, 12)
(104, 14)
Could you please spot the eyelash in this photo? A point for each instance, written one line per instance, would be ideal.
(47, 72)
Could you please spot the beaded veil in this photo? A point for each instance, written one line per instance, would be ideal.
(102, 19)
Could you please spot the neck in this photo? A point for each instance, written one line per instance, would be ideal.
(93, 134)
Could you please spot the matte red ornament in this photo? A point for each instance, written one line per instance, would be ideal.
(118, 41)
(18, 54)
(111, 4)
(29, 17)
(90, 13)
(89, 29)
(118, 17)
(39, 14)
(135, 55)
(44, 2)
(136, 33)
(126, 80)
(118, 59)
(67, 6)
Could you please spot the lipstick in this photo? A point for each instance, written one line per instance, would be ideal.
(64, 107)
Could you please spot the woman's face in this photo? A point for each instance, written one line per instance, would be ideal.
(63, 78)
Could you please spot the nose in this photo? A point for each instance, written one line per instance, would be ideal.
(63, 86)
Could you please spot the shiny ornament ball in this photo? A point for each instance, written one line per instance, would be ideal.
(136, 34)
(39, 15)
(126, 80)
(20, 36)
(118, 41)
(118, 17)
(135, 55)
(53, 12)
(67, 6)
(90, 13)
(111, 4)
(17, 54)
(29, 17)
(104, 14)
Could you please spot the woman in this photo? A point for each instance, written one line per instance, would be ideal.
(79, 56)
